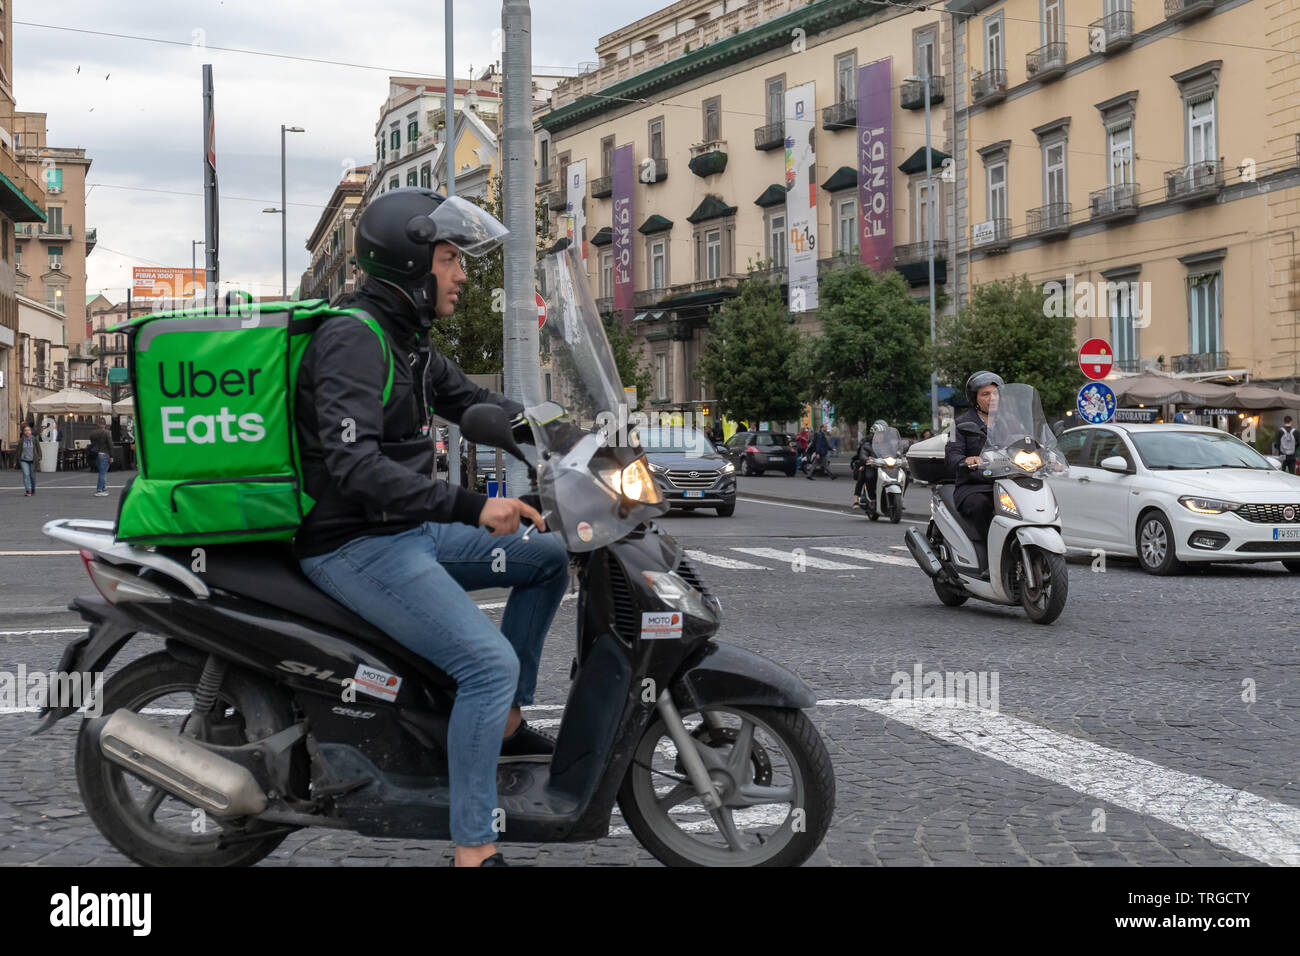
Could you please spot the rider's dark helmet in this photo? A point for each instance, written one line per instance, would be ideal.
(978, 381)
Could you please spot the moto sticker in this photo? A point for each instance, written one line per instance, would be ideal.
(376, 682)
(661, 625)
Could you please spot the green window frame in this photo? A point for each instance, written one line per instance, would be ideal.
(410, 177)
(53, 178)
(412, 131)
(426, 176)
(395, 140)
(393, 183)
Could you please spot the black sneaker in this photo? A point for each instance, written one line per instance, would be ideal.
(496, 859)
(527, 745)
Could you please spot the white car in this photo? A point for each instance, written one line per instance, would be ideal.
(1170, 494)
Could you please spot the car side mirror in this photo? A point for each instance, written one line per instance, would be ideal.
(1275, 462)
(1115, 463)
(969, 428)
(1057, 428)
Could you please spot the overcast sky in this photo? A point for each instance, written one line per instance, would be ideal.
(136, 108)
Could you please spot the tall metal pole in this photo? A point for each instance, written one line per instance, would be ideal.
(519, 328)
(210, 201)
(929, 235)
(449, 162)
(284, 227)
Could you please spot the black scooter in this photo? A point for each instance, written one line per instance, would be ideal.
(274, 708)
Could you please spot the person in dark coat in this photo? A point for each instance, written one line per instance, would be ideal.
(974, 492)
(818, 452)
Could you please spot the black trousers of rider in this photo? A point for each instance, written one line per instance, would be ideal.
(978, 508)
(866, 479)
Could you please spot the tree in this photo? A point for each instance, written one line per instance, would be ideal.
(870, 360)
(473, 337)
(1005, 328)
(627, 356)
(751, 357)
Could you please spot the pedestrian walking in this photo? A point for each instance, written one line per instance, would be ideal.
(101, 446)
(818, 452)
(1286, 445)
(27, 461)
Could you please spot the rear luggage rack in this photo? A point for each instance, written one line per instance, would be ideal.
(98, 537)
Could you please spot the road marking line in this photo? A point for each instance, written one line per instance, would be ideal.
(718, 561)
(868, 556)
(1234, 819)
(45, 630)
(782, 504)
(789, 557)
(28, 554)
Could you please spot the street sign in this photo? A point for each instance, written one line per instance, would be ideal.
(1096, 358)
(118, 375)
(1096, 403)
(541, 311)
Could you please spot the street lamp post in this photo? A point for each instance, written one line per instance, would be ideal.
(284, 216)
(929, 235)
(194, 267)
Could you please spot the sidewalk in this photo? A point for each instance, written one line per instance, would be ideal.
(823, 492)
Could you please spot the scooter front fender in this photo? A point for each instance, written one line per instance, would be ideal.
(726, 674)
(1046, 537)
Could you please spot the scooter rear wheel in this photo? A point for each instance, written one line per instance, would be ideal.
(949, 595)
(778, 790)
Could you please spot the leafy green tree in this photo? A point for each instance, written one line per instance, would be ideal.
(628, 356)
(1005, 328)
(750, 361)
(870, 360)
(472, 338)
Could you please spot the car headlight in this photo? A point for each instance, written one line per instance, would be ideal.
(1207, 506)
(656, 469)
(1028, 460)
(727, 469)
(1007, 505)
(633, 482)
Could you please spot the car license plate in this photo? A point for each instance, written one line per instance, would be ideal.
(1286, 534)
(776, 458)
(694, 494)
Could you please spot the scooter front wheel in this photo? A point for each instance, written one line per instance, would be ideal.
(1045, 602)
(895, 508)
(773, 776)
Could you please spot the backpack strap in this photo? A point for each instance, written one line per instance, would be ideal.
(375, 327)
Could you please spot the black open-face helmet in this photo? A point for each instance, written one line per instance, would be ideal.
(398, 230)
(978, 381)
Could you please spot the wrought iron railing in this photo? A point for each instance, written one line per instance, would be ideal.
(1054, 217)
(1047, 60)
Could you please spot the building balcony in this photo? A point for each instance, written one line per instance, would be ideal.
(770, 136)
(92, 236)
(776, 275)
(557, 200)
(912, 94)
(1112, 32)
(840, 115)
(24, 229)
(648, 298)
(1200, 362)
(992, 235)
(602, 187)
(913, 262)
(660, 172)
(1194, 181)
(988, 87)
(1047, 62)
(708, 159)
(544, 177)
(605, 304)
(841, 260)
(1048, 221)
(1119, 201)
(47, 231)
(21, 198)
(1178, 10)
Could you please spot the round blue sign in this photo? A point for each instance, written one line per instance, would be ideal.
(1096, 403)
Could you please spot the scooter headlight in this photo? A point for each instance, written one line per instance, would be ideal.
(891, 462)
(1007, 505)
(633, 483)
(671, 588)
(1028, 460)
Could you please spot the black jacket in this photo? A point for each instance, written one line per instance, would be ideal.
(369, 465)
(970, 481)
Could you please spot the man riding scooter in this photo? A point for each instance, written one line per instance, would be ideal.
(974, 491)
(864, 473)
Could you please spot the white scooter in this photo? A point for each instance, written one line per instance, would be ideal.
(891, 477)
(1022, 558)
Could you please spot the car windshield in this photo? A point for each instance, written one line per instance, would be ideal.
(1194, 450)
(667, 439)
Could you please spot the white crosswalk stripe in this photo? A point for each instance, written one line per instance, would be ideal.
(718, 561)
(862, 555)
(808, 561)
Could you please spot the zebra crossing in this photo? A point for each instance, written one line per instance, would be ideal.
(819, 557)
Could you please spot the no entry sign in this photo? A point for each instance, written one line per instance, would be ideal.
(1096, 358)
(541, 311)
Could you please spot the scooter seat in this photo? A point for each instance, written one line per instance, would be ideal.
(947, 493)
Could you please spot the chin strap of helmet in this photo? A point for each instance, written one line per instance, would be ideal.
(422, 295)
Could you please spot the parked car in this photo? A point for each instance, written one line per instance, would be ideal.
(1172, 494)
(756, 452)
(485, 465)
(690, 473)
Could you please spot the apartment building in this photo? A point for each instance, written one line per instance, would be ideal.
(22, 202)
(699, 90)
(1147, 154)
(50, 256)
(109, 349)
(42, 350)
(332, 274)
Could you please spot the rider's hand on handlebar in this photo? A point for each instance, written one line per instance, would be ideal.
(501, 516)
(972, 461)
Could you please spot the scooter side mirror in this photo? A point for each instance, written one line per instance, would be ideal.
(969, 428)
(487, 424)
(1057, 428)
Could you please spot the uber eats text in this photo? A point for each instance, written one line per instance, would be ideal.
(190, 382)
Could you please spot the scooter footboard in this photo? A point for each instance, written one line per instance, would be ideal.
(727, 674)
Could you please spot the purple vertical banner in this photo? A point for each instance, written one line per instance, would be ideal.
(624, 182)
(875, 168)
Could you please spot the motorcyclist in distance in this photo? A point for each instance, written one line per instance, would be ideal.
(974, 492)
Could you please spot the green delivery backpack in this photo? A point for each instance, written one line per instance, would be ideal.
(216, 445)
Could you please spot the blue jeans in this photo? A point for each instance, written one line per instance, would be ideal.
(412, 586)
(29, 475)
(102, 484)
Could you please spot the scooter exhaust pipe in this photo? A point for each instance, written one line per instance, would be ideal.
(923, 553)
(178, 765)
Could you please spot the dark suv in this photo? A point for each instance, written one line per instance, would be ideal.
(689, 473)
(757, 452)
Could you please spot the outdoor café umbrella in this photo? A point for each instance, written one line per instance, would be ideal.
(124, 406)
(1152, 389)
(1260, 397)
(71, 401)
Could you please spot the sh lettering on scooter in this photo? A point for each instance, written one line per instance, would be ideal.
(971, 688)
(76, 909)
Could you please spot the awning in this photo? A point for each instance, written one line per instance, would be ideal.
(916, 162)
(773, 195)
(653, 224)
(1153, 389)
(603, 238)
(1257, 397)
(713, 207)
(649, 316)
(846, 177)
(71, 401)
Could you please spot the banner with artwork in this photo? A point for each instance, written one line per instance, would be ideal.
(875, 167)
(624, 186)
(801, 196)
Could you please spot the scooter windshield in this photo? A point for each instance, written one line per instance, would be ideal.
(1018, 434)
(887, 444)
(592, 475)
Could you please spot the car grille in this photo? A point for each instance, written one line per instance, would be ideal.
(1270, 547)
(683, 479)
(1270, 514)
